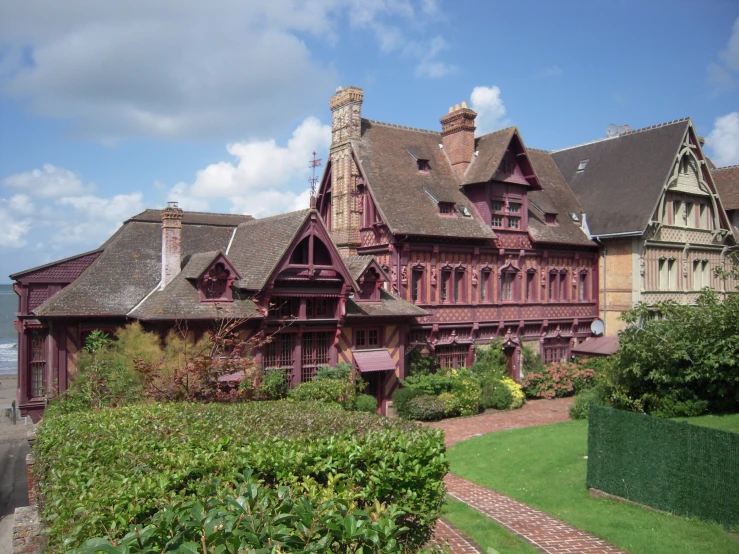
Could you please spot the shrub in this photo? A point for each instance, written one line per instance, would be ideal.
(366, 403)
(425, 407)
(274, 384)
(530, 360)
(467, 392)
(433, 383)
(418, 364)
(558, 380)
(342, 372)
(117, 467)
(502, 394)
(243, 515)
(490, 361)
(401, 397)
(341, 392)
(596, 395)
(451, 404)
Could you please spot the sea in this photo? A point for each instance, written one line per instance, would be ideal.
(8, 334)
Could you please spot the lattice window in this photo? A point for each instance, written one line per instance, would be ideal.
(452, 356)
(315, 353)
(319, 307)
(38, 362)
(279, 354)
(507, 281)
(556, 350)
(367, 338)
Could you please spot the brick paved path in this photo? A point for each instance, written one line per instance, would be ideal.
(546, 533)
(445, 534)
(534, 412)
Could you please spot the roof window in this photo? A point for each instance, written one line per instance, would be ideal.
(550, 219)
(581, 166)
(423, 166)
(446, 208)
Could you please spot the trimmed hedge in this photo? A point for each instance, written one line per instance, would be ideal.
(668, 465)
(116, 468)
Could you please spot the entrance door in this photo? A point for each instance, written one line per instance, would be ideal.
(375, 385)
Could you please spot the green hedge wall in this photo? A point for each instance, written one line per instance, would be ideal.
(671, 466)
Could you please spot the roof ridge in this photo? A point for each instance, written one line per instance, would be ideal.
(539, 150)
(627, 133)
(404, 127)
(498, 131)
(724, 167)
(275, 216)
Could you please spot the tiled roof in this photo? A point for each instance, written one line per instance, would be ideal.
(387, 155)
(390, 305)
(554, 198)
(128, 269)
(490, 148)
(260, 244)
(65, 269)
(727, 183)
(195, 218)
(624, 176)
(357, 264)
(196, 264)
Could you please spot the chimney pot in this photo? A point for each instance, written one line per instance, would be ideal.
(456, 107)
(171, 242)
(464, 104)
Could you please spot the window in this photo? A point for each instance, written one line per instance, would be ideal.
(367, 338)
(507, 282)
(530, 286)
(417, 292)
(279, 354)
(556, 350)
(689, 214)
(315, 351)
(423, 166)
(553, 286)
(582, 165)
(446, 208)
(667, 274)
(38, 362)
(662, 285)
(284, 307)
(496, 221)
(496, 205)
(452, 356)
(550, 219)
(514, 222)
(676, 212)
(701, 274)
(563, 296)
(319, 308)
(459, 286)
(446, 275)
(514, 207)
(582, 281)
(484, 284)
(497, 213)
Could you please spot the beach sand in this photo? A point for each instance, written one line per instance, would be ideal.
(8, 385)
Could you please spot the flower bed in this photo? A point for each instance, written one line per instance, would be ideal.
(100, 473)
(559, 380)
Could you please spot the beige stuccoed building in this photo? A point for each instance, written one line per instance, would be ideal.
(652, 205)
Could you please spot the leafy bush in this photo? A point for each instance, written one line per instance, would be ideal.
(531, 361)
(242, 515)
(433, 383)
(490, 361)
(118, 467)
(558, 380)
(342, 372)
(342, 392)
(501, 394)
(274, 384)
(401, 397)
(366, 403)
(467, 391)
(425, 408)
(418, 364)
(451, 404)
(596, 395)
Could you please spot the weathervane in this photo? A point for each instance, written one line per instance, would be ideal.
(314, 163)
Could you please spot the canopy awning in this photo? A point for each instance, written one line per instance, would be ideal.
(375, 359)
(597, 346)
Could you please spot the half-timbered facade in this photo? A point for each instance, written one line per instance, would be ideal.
(653, 205)
(481, 232)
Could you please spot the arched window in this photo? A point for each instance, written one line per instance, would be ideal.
(300, 254)
(321, 255)
(215, 285)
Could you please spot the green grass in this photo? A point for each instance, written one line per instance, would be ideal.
(729, 422)
(545, 467)
(485, 532)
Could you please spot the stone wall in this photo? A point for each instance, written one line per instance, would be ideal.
(27, 538)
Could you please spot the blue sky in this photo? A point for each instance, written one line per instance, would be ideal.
(110, 107)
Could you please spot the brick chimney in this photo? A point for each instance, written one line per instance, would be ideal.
(458, 136)
(171, 242)
(346, 116)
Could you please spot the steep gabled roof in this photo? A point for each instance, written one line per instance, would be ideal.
(129, 269)
(409, 199)
(624, 176)
(259, 245)
(389, 305)
(727, 183)
(489, 152)
(555, 197)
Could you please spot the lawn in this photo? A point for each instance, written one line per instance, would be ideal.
(729, 422)
(485, 532)
(546, 468)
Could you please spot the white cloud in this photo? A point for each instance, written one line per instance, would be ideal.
(92, 219)
(719, 77)
(187, 68)
(265, 178)
(488, 104)
(13, 231)
(731, 54)
(724, 140)
(21, 204)
(429, 66)
(48, 182)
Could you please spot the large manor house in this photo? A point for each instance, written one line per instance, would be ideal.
(437, 240)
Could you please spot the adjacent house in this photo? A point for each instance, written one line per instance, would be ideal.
(654, 208)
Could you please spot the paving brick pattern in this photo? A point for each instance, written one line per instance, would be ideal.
(446, 535)
(534, 412)
(546, 533)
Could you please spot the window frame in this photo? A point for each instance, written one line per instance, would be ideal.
(366, 334)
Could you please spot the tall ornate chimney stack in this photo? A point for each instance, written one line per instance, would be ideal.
(458, 137)
(171, 242)
(346, 125)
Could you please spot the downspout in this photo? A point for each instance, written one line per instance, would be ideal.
(605, 285)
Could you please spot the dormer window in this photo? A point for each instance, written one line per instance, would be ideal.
(423, 166)
(215, 284)
(581, 166)
(550, 219)
(446, 208)
(369, 286)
